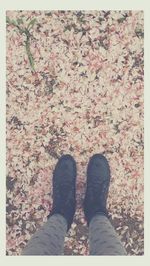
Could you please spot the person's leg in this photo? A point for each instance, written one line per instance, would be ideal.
(49, 240)
(102, 237)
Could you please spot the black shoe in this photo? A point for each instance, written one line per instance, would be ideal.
(98, 179)
(64, 188)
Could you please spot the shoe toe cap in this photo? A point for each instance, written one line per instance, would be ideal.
(98, 166)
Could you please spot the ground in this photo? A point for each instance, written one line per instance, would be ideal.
(74, 86)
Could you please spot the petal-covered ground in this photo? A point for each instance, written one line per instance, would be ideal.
(75, 86)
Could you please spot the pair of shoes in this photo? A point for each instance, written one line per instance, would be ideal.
(64, 188)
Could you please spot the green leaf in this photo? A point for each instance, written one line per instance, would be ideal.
(31, 23)
(14, 22)
(139, 32)
(121, 20)
(19, 21)
(8, 20)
